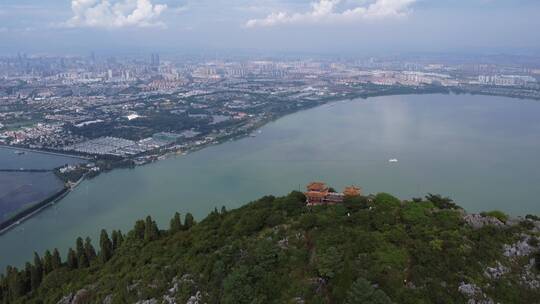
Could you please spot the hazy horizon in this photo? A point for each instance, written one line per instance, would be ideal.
(359, 27)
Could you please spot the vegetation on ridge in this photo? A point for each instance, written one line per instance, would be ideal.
(374, 249)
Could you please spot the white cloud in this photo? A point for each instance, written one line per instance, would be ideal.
(180, 9)
(115, 13)
(326, 11)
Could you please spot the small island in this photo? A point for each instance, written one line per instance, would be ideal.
(361, 249)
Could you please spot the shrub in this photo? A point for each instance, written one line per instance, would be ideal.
(501, 216)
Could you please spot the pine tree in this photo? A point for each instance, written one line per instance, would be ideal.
(38, 265)
(329, 262)
(343, 281)
(120, 239)
(139, 229)
(56, 261)
(151, 231)
(89, 250)
(35, 278)
(82, 261)
(47, 262)
(28, 276)
(116, 239)
(361, 292)
(72, 259)
(189, 221)
(105, 246)
(537, 260)
(147, 228)
(176, 223)
(15, 282)
(79, 248)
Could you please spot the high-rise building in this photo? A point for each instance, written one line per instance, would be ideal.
(154, 60)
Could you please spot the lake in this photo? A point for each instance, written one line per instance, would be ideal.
(484, 152)
(20, 190)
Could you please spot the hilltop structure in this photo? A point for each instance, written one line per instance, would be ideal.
(318, 193)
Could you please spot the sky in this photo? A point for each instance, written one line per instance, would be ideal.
(303, 26)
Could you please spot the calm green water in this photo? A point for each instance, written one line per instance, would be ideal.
(482, 151)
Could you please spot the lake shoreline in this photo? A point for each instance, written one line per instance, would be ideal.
(446, 144)
(25, 214)
(58, 196)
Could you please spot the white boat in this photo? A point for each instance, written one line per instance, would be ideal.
(393, 160)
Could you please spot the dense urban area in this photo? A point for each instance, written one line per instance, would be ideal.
(133, 110)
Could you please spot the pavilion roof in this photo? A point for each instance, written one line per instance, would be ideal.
(317, 186)
(352, 191)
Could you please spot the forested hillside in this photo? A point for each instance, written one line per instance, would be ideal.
(374, 249)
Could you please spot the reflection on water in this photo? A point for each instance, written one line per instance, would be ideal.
(481, 151)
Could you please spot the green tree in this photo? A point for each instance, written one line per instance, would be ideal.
(537, 260)
(27, 276)
(47, 262)
(16, 284)
(151, 232)
(56, 261)
(441, 202)
(176, 223)
(189, 221)
(342, 281)
(329, 262)
(117, 239)
(71, 259)
(105, 246)
(361, 292)
(139, 229)
(38, 265)
(79, 247)
(89, 250)
(82, 261)
(238, 287)
(35, 278)
(501, 216)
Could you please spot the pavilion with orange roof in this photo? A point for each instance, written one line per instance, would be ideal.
(318, 193)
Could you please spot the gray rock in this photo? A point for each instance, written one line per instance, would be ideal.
(150, 301)
(169, 300)
(519, 249)
(496, 272)
(474, 294)
(108, 299)
(78, 298)
(298, 300)
(469, 290)
(195, 299)
(66, 299)
(478, 221)
(528, 278)
(284, 243)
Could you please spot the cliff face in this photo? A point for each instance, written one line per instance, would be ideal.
(374, 249)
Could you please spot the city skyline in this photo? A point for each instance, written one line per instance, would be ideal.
(347, 27)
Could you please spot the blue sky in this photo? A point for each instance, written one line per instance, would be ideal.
(325, 26)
